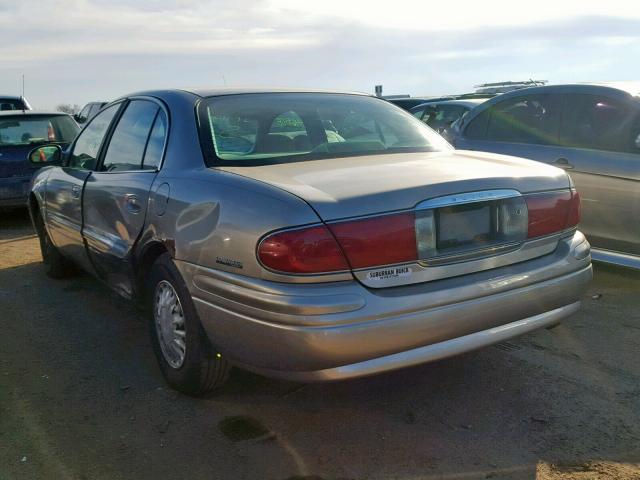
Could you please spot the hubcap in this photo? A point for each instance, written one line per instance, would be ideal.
(170, 327)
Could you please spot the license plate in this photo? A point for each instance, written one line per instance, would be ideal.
(463, 226)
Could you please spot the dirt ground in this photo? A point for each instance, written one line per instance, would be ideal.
(81, 398)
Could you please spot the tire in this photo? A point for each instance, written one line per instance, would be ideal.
(56, 265)
(193, 367)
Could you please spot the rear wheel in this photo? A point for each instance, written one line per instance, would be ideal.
(188, 360)
(56, 265)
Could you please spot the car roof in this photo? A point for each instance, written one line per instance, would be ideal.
(631, 87)
(472, 102)
(616, 88)
(11, 97)
(30, 113)
(218, 91)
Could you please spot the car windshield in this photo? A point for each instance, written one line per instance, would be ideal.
(281, 127)
(28, 130)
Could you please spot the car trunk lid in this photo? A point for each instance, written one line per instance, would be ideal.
(14, 162)
(421, 217)
(357, 186)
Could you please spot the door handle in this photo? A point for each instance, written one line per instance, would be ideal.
(131, 200)
(563, 163)
(75, 191)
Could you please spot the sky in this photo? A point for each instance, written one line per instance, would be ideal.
(75, 51)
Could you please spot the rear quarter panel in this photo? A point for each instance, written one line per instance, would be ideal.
(216, 219)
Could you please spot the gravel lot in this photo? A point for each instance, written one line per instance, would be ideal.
(81, 398)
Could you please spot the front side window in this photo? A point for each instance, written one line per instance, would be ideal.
(32, 130)
(85, 151)
(598, 122)
(525, 119)
(279, 127)
(129, 138)
(95, 108)
(84, 113)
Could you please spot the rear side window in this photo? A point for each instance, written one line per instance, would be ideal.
(525, 119)
(477, 127)
(443, 116)
(129, 138)
(85, 151)
(598, 122)
(32, 130)
(417, 113)
(155, 146)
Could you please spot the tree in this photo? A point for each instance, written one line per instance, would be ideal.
(68, 108)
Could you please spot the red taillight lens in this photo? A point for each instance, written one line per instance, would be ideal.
(552, 212)
(382, 240)
(575, 211)
(305, 250)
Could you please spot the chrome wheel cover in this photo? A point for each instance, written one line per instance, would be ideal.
(170, 325)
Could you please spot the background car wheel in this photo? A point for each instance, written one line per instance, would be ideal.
(186, 356)
(56, 265)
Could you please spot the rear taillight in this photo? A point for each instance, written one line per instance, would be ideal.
(552, 212)
(304, 250)
(391, 239)
(383, 240)
(575, 211)
(367, 242)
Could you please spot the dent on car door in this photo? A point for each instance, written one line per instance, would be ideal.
(523, 126)
(117, 193)
(65, 186)
(599, 136)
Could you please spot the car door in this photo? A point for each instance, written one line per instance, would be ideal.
(65, 184)
(117, 193)
(599, 135)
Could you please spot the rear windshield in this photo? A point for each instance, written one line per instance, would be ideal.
(281, 127)
(29, 130)
(12, 104)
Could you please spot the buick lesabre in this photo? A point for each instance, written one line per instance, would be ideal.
(306, 235)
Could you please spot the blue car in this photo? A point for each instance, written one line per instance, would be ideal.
(20, 132)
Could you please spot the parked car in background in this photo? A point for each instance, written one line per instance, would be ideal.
(8, 102)
(406, 103)
(593, 132)
(20, 132)
(441, 115)
(88, 112)
(306, 235)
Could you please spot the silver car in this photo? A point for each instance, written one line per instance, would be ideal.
(305, 235)
(593, 132)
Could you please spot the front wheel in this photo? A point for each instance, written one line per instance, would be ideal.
(186, 357)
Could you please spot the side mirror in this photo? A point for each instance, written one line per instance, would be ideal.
(46, 155)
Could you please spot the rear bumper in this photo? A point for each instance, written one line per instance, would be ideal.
(340, 330)
(14, 191)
